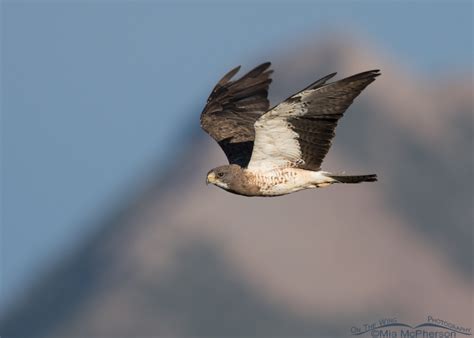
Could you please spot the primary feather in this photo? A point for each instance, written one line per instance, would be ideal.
(232, 109)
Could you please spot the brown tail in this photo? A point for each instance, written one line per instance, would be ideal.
(354, 179)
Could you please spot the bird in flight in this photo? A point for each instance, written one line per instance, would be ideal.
(277, 151)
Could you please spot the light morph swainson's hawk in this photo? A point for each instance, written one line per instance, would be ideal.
(277, 151)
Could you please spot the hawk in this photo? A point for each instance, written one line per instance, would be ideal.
(277, 151)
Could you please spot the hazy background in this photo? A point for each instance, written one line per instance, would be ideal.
(109, 230)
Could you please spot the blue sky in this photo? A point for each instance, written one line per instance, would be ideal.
(94, 91)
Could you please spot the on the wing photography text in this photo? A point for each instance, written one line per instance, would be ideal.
(391, 328)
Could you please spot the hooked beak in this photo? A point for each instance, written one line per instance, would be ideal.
(211, 178)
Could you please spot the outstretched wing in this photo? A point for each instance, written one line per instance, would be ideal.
(298, 131)
(232, 109)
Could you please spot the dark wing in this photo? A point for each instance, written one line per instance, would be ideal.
(298, 131)
(232, 109)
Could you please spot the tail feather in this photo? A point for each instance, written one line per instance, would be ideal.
(354, 178)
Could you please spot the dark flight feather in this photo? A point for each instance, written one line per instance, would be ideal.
(325, 105)
(232, 109)
(318, 83)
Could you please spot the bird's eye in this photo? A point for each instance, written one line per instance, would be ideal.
(220, 174)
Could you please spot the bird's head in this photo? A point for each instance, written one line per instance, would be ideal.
(223, 176)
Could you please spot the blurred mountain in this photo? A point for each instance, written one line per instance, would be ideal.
(183, 259)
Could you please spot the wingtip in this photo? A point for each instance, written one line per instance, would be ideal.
(368, 75)
(375, 72)
(229, 75)
(259, 69)
(318, 83)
